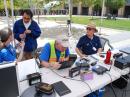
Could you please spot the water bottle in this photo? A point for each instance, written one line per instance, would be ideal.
(108, 57)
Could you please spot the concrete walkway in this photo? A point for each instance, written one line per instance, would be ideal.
(118, 38)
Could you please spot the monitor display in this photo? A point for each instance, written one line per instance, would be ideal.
(8, 81)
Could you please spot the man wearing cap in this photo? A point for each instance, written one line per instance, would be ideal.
(89, 43)
(54, 52)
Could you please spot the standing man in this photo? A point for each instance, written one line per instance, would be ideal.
(89, 43)
(26, 29)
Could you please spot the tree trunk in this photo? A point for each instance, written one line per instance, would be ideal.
(41, 10)
(80, 8)
(90, 12)
(121, 12)
(104, 11)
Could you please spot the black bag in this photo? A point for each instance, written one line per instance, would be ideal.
(122, 82)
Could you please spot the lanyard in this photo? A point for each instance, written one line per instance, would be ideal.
(94, 48)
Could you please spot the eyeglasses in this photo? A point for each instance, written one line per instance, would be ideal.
(26, 18)
(90, 29)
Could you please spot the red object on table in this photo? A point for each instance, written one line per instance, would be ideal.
(108, 57)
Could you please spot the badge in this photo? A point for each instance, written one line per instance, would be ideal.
(94, 49)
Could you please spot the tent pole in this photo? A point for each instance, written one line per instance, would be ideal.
(12, 9)
(70, 16)
(7, 15)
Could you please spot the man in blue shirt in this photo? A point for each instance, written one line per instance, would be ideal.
(89, 43)
(7, 52)
(54, 52)
(26, 29)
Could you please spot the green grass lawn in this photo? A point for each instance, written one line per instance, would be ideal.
(122, 24)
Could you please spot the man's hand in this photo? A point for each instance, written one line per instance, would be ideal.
(22, 43)
(22, 36)
(55, 65)
(62, 59)
(28, 31)
(83, 56)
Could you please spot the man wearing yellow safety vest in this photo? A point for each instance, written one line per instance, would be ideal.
(54, 52)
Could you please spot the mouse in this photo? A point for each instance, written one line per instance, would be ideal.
(93, 64)
(102, 56)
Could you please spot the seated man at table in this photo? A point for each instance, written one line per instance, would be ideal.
(89, 43)
(7, 51)
(54, 52)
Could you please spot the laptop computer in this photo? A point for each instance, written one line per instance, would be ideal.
(125, 50)
(67, 64)
(61, 88)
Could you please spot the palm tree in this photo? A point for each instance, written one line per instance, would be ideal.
(80, 3)
(121, 4)
(90, 4)
(97, 6)
(114, 4)
(2, 4)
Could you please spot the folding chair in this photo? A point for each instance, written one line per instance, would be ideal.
(105, 41)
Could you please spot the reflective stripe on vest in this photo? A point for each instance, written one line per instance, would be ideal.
(62, 55)
(53, 57)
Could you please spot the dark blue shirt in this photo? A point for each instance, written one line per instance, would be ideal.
(45, 54)
(7, 54)
(89, 46)
(30, 40)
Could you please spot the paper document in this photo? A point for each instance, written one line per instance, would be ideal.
(27, 67)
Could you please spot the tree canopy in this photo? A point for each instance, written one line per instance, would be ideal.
(21, 4)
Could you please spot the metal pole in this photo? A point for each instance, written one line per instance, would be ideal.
(70, 9)
(12, 9)
(70, 16)
(102, 14)
(28, 3)
(38, 11)
(31, 6)
(7, 15)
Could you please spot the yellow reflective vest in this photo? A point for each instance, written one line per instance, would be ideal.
(53, 57)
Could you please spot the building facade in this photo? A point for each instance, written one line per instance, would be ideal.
(121, 12)
(127, 9)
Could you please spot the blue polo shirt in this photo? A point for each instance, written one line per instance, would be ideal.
(45, 54)
(7, 54)
(89, 46)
